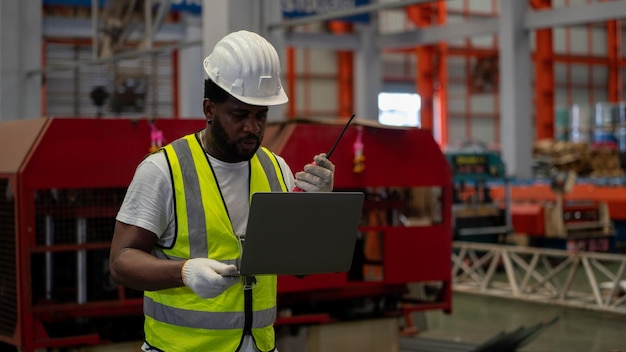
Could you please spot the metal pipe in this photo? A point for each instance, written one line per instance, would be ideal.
(154, 22)
(81, 261)
(49, 263)
(114, 58)
(508, 196)
(148, 22)
(94, 29)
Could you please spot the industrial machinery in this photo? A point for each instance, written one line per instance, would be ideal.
(405, 234)
(551, 215)
(477, 216)
(62, 181)
(61, 184)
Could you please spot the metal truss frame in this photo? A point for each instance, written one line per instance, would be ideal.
(589, 280)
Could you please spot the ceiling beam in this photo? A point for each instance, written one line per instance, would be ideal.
(358, 10)
(81, 28)
(436, 34)
(575, 15)
(322, 40)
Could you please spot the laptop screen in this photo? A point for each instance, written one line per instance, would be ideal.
(300, 233)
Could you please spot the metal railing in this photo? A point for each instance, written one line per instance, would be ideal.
(589, 280)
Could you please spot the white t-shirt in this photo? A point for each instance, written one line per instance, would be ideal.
(149, 202)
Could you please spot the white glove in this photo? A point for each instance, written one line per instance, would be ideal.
(204, 276)
(317, 176)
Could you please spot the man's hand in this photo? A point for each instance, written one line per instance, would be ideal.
(204, 276)
(317, 176)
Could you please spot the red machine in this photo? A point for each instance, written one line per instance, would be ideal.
(62, 181)
(406, 226)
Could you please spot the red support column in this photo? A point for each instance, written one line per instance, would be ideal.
(544, 78)
(568, 67)
(468, 76)
(496, 94)
(614, 48)
(421, 17)
(424, 78)
(590, 80)
(345, 69)
(468, 91)
(442, 80)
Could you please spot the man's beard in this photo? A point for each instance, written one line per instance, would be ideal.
(229, 147)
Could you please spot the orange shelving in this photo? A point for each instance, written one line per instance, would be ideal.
(614, 196)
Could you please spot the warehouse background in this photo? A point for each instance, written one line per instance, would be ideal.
(576, 61)
(523, 83)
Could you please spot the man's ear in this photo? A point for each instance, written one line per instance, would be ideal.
(208, 108)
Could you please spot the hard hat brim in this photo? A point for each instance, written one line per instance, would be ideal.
(278, 99)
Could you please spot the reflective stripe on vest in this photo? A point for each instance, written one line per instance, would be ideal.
(270, 171)
(207, 320)
(203, 229)
(195, 215)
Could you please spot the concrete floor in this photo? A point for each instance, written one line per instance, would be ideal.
(475, 319)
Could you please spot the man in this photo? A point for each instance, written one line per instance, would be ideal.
(176, 233)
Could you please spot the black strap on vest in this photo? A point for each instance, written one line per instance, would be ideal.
(248, 283)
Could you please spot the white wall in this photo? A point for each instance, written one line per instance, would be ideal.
(20, 57)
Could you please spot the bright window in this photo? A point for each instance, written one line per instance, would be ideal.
(399, 109)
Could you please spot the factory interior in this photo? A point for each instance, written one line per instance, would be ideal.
(488, 138)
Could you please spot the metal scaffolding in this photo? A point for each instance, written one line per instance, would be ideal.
(589, 280)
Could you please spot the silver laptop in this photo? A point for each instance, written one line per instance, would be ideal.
(301, 233)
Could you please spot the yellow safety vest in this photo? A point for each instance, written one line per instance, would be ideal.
(179, 320)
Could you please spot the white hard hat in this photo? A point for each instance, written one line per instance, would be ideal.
(246, 65)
